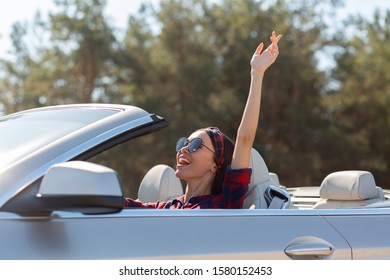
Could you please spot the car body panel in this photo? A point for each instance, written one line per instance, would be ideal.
(366, 230)
(167, 234)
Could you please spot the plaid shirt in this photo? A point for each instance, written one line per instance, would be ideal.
(234, 188)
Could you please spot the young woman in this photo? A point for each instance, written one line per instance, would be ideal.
(217, 170)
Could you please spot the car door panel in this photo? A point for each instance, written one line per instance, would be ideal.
(366, 230)
(179, 234)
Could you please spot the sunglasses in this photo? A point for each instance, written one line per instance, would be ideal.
(193, 145)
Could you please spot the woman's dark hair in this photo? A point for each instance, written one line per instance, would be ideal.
(227, 155)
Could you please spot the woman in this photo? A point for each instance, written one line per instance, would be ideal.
(217, 171)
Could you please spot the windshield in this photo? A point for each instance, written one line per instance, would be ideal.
(25, 132)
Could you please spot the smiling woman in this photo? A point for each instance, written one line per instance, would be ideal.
(218, 175)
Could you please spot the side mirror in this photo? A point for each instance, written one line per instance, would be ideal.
(81, 186)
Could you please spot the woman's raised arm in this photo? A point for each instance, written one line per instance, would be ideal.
(247, 130)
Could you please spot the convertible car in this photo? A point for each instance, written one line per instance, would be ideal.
(57, 204)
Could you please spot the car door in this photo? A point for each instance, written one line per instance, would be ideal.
(177, 234)
(366, 230)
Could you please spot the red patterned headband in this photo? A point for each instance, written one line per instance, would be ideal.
(218, 145)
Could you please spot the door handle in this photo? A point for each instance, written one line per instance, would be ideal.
(309, 247)
(317, 250)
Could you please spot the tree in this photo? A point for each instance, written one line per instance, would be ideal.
(12, 87)
(359, 108)
(75, 67)
(81, 34)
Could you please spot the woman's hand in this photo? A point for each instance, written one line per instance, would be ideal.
(261, 61)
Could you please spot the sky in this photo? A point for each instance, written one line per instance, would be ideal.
(119, 10)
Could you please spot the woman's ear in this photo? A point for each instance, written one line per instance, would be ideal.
(214, 168)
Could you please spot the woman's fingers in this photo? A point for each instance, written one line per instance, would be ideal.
(274, 45)
(259, 49)
(277, 39)
(273, 37)
(273, 48)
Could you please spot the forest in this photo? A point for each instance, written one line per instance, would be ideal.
(325, 104)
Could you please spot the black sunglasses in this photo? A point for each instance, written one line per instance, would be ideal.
(193, 145)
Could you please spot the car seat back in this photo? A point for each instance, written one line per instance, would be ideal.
(160, 184)
(263, 193)
(275, 178)
(348, 189)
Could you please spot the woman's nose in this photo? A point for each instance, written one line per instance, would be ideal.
(184, 149)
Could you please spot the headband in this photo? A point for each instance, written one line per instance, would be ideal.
(218, 145)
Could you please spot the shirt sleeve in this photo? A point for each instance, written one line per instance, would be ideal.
(132, 203)
(235, 187)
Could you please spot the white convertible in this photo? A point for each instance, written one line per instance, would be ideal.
(54, 204)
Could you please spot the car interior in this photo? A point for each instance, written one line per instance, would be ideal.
(160, 183)
(342, 189)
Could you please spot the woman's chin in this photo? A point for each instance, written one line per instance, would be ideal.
(179, 173)
(183, 172)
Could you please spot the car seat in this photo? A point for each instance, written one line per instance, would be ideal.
(348, 189)
(160, 184)
(275, 178)
(263, 193)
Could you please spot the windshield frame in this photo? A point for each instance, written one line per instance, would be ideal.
(28, 131)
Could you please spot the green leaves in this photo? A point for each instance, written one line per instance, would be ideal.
(361, 104)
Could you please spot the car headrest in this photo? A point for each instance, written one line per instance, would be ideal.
(349, 185)
(260, 173)
(159, 184)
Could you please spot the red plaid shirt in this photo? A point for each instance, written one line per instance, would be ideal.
(234, 188)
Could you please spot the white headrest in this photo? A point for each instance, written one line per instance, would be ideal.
(160, 184)
(260, 172)
(348, 185)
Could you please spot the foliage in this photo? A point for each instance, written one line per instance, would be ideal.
(359, 109)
